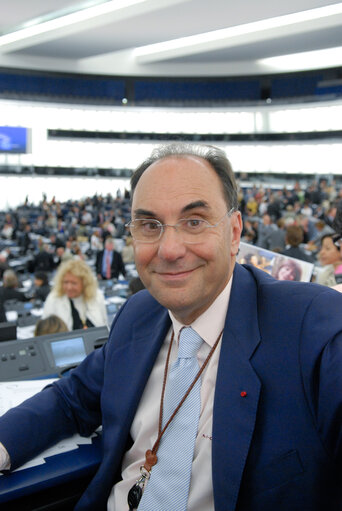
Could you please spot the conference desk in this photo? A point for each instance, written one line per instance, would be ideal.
(55, 485)
(57, 477)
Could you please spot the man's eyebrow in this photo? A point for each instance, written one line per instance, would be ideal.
(140, 212)
(195, 204)
(144, 213)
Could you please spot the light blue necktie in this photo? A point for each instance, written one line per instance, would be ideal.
(168, 487)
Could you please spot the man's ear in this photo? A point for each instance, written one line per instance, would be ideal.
(236, 229)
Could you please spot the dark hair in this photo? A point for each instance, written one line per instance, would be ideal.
(294, 235)
(213, 155)
(332, 236)
(40, 275)
(337, 222)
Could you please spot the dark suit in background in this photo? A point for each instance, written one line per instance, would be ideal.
(117, 265)
(8, 293)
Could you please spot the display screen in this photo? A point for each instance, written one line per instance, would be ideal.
(13, 140)
(68, 351)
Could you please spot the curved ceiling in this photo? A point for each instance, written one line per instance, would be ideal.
(171, 37)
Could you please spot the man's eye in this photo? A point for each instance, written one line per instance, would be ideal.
(149, 226)
(194, 223)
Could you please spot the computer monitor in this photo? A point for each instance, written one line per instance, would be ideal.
(68, 351)
(48, 355)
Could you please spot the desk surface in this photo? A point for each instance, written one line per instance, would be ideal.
(57, 470)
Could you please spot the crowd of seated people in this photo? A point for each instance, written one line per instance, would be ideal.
(294, 222)
(45, 242)
(39, 239)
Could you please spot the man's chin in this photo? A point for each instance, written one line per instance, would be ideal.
(172, 298)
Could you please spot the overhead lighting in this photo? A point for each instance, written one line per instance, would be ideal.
(225, 34)
(56, 14)
(42, 25)
(307, 60)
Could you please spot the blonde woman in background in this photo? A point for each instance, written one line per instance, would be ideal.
(76, 297)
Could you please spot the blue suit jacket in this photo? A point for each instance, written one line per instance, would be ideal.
(277, 448)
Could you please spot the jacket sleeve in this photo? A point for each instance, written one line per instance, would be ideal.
(70, 405)
(321, 362)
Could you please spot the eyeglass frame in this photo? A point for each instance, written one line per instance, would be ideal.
(175, 226)
(337, 240)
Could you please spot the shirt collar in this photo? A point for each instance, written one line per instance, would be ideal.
(209, 324)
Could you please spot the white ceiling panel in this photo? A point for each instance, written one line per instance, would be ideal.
(220, 37)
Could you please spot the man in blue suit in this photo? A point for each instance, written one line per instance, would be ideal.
(269, 433)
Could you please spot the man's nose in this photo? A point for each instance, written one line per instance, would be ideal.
(171, 244)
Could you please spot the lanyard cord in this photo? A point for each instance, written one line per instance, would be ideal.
(151, 454)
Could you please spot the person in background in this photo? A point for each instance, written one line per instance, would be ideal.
(96, 243)
(337, 225)
(128, 251)
(76, 297)
(331, 260)
(25, 241)
(249, 232)
(277, 237)
(62, 255)
(3, 317)
(3, 262)
(265, 229)
(9, 289)
(42, 287)
(109, 263)
(77, 251)
(320, 229)
(8, 228)
(50, 325)
(294, 237)
(260, 427)
(135, 285)
(43, 261)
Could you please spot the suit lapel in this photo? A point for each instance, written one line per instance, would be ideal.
(134, 360)
(237, 391)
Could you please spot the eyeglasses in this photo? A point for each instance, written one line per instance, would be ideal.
(337, 240)
(192, 230)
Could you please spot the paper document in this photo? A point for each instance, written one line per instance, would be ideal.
(13, 393)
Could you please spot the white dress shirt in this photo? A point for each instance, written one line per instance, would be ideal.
(4, 458)
(144, 430)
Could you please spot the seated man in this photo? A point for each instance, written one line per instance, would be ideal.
(41, 286)
(109, 263)
(220, 388)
